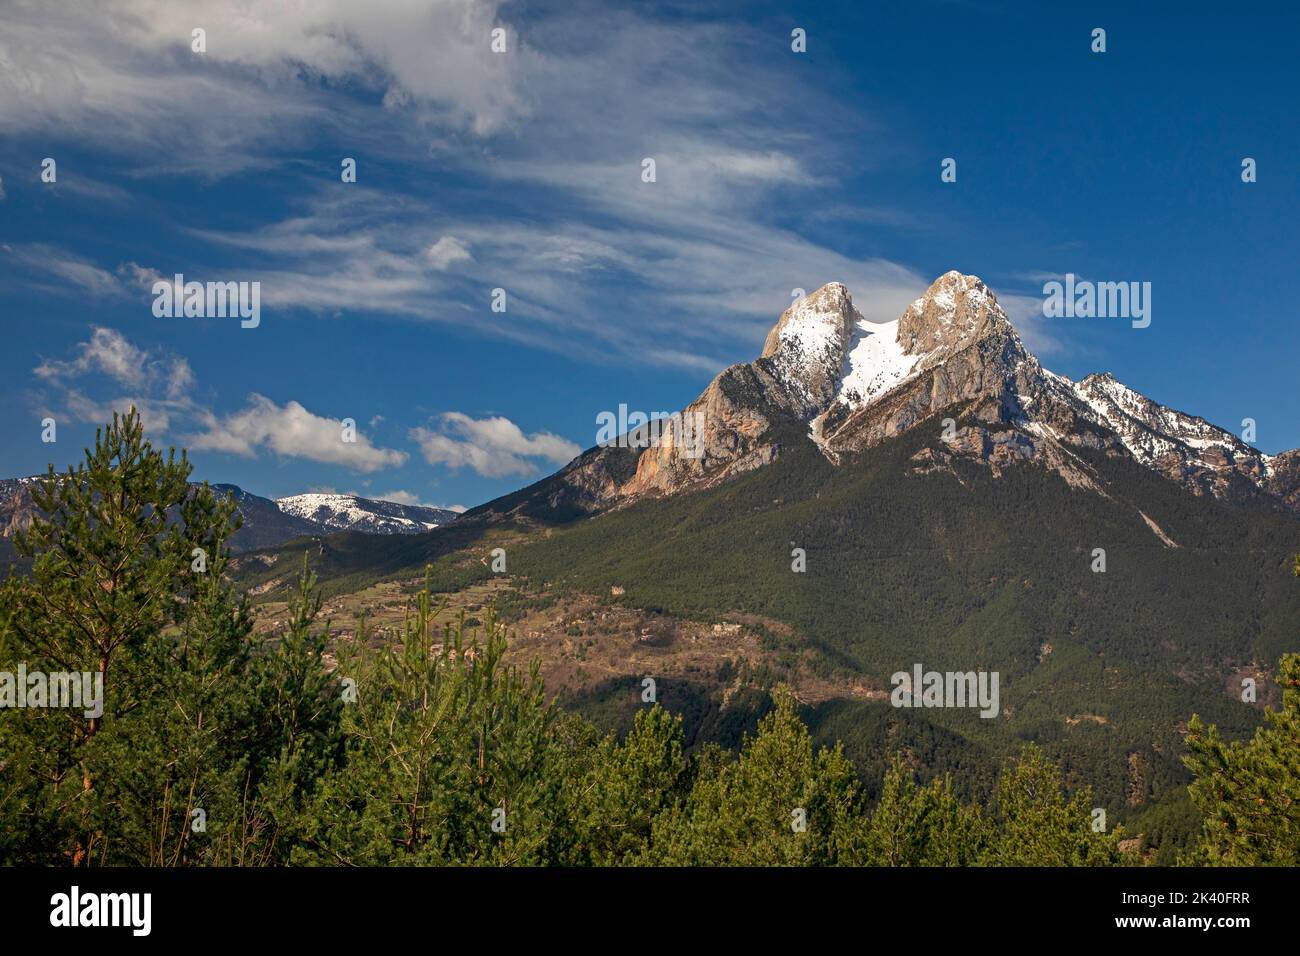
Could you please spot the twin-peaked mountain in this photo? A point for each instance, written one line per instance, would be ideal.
(951, 364)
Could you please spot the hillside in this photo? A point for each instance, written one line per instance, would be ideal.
(960, 545)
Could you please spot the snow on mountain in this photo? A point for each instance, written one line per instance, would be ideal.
(264, 523)
(956, 312)
(1150, 430)
(894, 375)
(954, 347)
(822, 348)
(373, 516)
(876, 363)
(807, 347)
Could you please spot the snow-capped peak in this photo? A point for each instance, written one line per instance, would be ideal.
(354, 513)
(807, 347)
(1150, 430)
(956, 311)
(953, 356)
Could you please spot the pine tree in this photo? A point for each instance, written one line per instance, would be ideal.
(1249, 792)
(451, 756)
(923, 826)
(207, 739)
(628, 786)
(1040, 826)
(781, 803)
(111, 552)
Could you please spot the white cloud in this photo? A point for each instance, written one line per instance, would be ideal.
(107, 352)
(494, 447)
(293, 431)
(400, 497)
(447, 252)
(406, 498)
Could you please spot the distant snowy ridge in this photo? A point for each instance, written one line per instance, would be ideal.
(373, 516)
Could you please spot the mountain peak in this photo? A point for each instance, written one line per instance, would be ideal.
(807, 346)
(829, 358)
(826, 313)
(956, 310)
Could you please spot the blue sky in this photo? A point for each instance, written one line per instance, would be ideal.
(522, 170)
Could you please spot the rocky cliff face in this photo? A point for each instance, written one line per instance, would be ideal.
(736, 424)
(799, 374)
(828, 376)
(1283, 480)
(16, 508)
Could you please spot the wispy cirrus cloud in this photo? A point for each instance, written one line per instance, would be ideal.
(698, 262)
(60, 270)
(685, 295)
